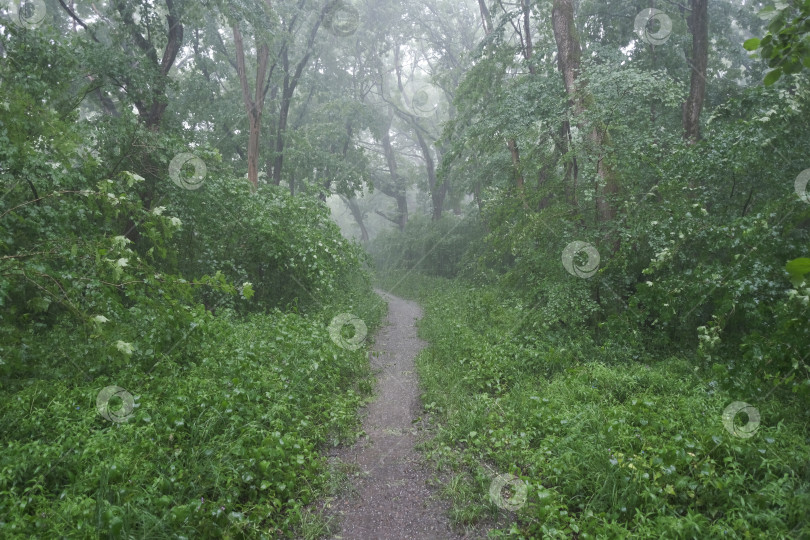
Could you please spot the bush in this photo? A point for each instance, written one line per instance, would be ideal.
(604, 447)
(213, 419)
(224, 443)
(287, 244)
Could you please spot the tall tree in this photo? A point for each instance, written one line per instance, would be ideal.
(486, 16)
(254, 104)
(150, 100)
(526, 49)
(290, 80)
(281, 90)
(698, 23)
(396, 187)
(357, 214)
(569, 53)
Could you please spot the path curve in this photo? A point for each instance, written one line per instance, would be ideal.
(392, 499)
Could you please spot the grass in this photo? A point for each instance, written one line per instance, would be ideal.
(606, 445)
(224, 443)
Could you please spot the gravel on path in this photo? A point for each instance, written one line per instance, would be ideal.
(391, 498)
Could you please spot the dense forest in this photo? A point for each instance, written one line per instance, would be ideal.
(602, 207)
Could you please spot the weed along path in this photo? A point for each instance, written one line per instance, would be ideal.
(390, 498)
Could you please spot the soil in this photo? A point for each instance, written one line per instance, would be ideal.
(390, 496)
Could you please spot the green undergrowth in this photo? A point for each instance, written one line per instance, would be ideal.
(166, 365)
(224, 438)
(608, 446)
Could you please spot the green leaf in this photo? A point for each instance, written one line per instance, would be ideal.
(777, 23)
(39, 304)
(116, 524)
(797, 268)
(247, 290)
(767, 12)
(751, 44)
(772, 76)
(124, 347)
(133, 178)
(180, 513)
(792, 65)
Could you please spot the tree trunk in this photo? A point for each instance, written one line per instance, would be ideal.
(528, 47)
(486, 17)
(253, 104)
(569, 55)
(281, 128)
(151, 112)
(289, 85)
(568, 59)
(605, 206)
(699, 27)
(396, 190)
(358, 217)
(569, 51)
(526, 51)
(255, 126)
(437, 192)
(402, 210)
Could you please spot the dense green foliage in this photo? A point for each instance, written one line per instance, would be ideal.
(208, 307)
(223, 442)
(608, 444)
(610, 236)
(786, 46)
(592, 353)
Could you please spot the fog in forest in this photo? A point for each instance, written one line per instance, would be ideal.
(404, 269)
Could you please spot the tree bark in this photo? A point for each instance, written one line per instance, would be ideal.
(289, 85)
(699, 27)
(486, 17)
(568, 60)
(358, 217)
(437, 192)
(569, 51)
(253, 104)
(396, 191)
(569, 54)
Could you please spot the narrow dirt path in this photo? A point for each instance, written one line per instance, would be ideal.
(391, 498)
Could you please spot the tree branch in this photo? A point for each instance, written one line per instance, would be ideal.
(77, 19)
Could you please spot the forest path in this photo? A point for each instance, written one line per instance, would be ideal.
(390, 498)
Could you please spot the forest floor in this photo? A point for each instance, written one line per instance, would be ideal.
(389, 496)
